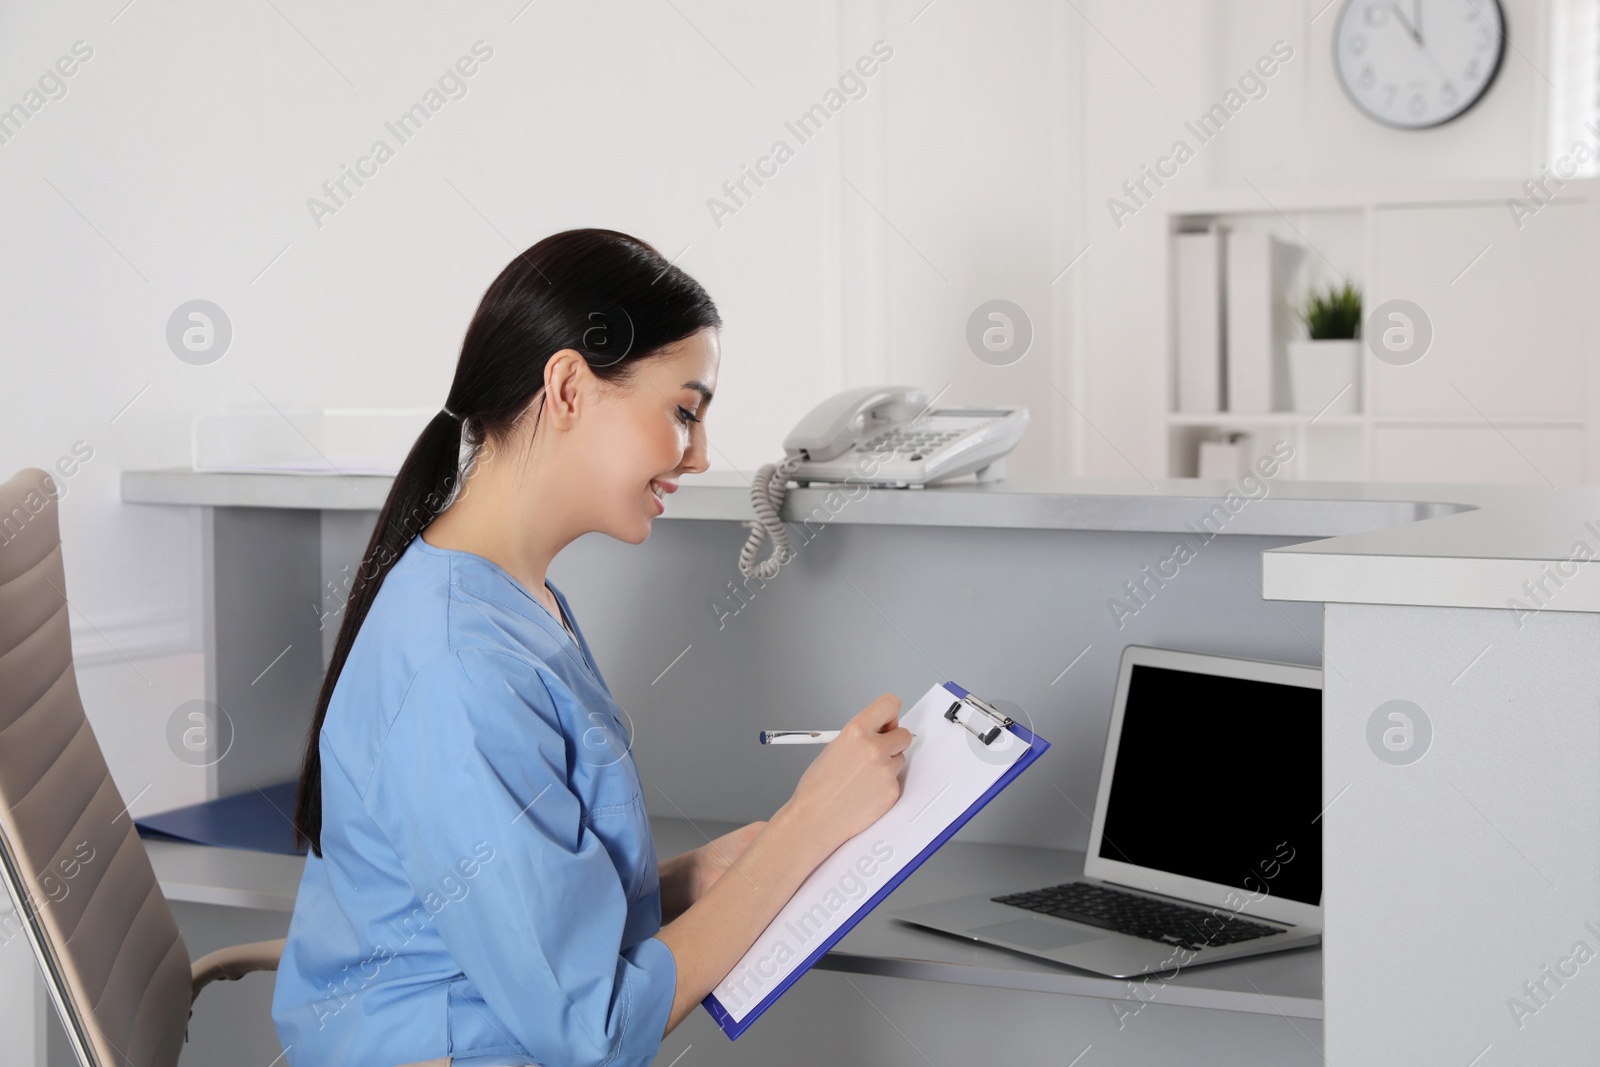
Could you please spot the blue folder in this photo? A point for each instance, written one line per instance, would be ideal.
(1036, 747)
(258, 820)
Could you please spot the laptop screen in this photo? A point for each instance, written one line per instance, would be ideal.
(1219, 779)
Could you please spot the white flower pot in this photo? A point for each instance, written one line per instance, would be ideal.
(1320, 371)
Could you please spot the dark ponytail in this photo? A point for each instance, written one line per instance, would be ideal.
(611, 297)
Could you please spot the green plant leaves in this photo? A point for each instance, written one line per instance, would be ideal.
(1333, 314)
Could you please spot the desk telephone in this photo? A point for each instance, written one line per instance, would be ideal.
(883, 435)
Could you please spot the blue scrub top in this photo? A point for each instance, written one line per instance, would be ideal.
(488, 885)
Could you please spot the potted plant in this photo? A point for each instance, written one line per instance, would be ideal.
(1325, 369)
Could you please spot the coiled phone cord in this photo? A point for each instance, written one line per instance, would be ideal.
(766, 497)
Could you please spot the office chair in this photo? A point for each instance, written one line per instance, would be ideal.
(78, 874)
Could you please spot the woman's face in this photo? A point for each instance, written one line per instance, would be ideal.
(642, 434)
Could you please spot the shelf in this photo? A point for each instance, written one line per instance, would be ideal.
(1413, 241)
(1272, 418)
(1296, 418)
(1310, 198)
(1499, 422)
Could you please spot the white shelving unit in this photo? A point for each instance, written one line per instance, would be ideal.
(1505, 392)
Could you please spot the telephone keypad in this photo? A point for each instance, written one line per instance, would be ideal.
(919, 438)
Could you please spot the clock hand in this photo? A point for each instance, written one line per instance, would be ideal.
(1416, 18)
(1443, 77)
(1412, 30)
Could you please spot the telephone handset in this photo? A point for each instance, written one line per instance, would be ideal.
(838, 423)
(881, 435)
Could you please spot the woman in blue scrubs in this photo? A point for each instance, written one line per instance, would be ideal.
(482, 887)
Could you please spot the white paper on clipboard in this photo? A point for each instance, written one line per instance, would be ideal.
(948, 769)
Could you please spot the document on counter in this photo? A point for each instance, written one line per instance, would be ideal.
(964, 753)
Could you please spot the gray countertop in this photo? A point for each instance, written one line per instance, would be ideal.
(1175, 505)
(1374, 543)
(1285, 983)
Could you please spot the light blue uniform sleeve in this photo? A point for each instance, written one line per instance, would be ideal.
(476, 759)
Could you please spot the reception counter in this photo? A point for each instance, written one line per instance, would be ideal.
(1461, 838)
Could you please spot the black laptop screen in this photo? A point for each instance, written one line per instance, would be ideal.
(1219, 779)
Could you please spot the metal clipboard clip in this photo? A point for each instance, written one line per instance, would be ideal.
(997, 720)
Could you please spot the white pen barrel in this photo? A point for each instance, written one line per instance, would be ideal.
(797, 737)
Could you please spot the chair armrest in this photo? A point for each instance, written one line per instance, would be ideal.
(236, 961)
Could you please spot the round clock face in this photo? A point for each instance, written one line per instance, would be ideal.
(1418, 63)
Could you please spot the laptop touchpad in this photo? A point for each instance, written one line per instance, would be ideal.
(1033, 933)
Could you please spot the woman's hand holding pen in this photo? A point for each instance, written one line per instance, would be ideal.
(855, 778)
(863, 774)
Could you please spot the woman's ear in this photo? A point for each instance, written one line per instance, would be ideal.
(567, 382)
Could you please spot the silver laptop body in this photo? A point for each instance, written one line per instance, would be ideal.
(1209, 796)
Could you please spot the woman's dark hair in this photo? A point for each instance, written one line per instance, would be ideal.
(611, 297)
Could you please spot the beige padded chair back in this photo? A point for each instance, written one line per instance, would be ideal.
(89, 902)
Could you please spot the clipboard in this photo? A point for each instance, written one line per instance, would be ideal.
(968, 751)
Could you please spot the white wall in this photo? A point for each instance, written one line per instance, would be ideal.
(179, 162)
(1303, 132)
(977, 165)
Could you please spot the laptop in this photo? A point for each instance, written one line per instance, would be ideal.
(1204, 845)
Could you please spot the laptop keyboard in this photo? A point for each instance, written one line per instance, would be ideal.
(1138, 916)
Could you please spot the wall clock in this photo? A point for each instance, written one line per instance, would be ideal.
(1413, 64)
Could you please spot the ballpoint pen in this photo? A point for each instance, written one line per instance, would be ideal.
(797, 737)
